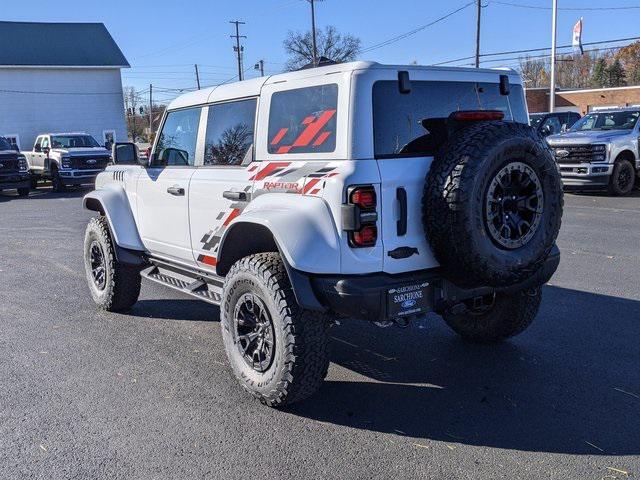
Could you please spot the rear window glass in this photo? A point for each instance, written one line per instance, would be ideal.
(397, 117)
(303, 120)
(4, 144)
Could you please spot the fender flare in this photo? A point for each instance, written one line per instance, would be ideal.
(111, 201)
(302, 227)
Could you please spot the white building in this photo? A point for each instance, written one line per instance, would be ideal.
(60, 77)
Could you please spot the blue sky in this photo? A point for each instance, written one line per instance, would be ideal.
(163, 39)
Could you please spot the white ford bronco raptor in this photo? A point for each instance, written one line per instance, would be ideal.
(356, 190)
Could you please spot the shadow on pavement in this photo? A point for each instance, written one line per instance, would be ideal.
(190, 310)
(572, 378)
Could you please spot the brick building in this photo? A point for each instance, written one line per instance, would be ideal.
(583, 101)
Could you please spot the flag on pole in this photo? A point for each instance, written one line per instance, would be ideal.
(577, 37)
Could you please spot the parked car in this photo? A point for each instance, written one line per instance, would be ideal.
(600, 151)
(67, 159)
(552, 123)
(356, 190)
(14, 171)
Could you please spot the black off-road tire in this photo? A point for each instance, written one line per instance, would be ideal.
(23, 192)
(121, 283)
(616, 187)
(454, 204)
(56, 180)
(301, 359)
(509, 315)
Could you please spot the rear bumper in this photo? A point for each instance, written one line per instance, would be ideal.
(366, 296)
(14, 180)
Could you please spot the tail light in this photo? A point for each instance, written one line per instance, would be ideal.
(477, 115)
(360, 216)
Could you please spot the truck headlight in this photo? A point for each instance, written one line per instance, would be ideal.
(599, 148)
(66, 162)
(23, 165)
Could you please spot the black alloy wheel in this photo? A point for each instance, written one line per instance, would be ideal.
(253, 332)
(514, 205)
(98, 265)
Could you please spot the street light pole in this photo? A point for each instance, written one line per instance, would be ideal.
(313, 32)
(478, 35)
(554, 31)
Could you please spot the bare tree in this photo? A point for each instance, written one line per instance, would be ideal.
(534, 72)
(331, 44)
(134, 124)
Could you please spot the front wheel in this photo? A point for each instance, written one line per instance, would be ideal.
(495, 317)
(56, 181)
(277, 351)
(622, 179)
(113, 286)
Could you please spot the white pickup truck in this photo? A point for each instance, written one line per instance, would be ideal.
(66, 159)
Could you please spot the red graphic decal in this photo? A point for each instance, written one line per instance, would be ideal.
(321, 139)
(251, 169)
(310, 185)
(262, 174)
(284, 149)
(308, 120)
(234, 213)
(313, 128)
(313, 192)
(290, 186)
(279, 136)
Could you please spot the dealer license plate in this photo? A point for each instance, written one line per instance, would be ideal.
(408, 300)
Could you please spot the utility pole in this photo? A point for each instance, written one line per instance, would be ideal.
(554, 31)
(313, 31)
(238, 49)
(478, 34)
(197, 76)
(260, 66)
(150, 110)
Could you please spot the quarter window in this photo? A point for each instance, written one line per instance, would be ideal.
(177, 141)
(230, 133)
(303, 120)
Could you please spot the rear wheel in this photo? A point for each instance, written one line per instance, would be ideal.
(56, 181)
(622, 179)
(495, 317)
(23, 192)
(114, 286)
(277, 351)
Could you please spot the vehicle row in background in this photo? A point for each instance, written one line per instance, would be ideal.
(552, 123)
(600, 151)
(66, 159)
(14, 170)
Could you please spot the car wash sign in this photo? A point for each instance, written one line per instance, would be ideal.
(577, 37)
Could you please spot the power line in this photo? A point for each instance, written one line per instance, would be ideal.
(416, 30)
(60, 93)
(511, 52)
(538, 7)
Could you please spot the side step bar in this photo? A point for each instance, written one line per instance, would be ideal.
(201, 285)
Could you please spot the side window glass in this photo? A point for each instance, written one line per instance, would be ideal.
(177, 141)
(45, 142)
(303, 120)
(38, 143)
(230, 133)
(553, 124)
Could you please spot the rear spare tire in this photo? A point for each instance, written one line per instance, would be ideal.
(492, 204)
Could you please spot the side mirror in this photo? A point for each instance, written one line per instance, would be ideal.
(505, 88)
(46, 150)
(124, 154)
(37, 148)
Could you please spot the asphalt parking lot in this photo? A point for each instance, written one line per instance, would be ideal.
(147, 394)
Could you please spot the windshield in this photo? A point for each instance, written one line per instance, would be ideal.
(625, 120)
(73, 141)
(4, 144)
(409, 124)
(534, 120)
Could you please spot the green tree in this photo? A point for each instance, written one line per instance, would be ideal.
(616, 74)
(599, 76)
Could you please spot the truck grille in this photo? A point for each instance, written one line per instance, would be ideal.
(89, 163)
(8, 164)
(577, 154)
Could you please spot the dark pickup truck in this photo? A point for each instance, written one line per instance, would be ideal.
(14, 169)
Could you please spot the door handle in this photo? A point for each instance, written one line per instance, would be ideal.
(229, 195)
(177, 191)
